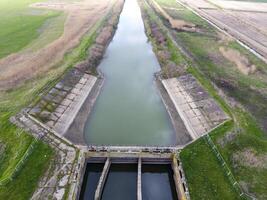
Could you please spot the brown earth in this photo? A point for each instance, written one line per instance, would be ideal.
(175, 23)
(81, 16)
(242, 63)
(227, 138)
(223, 38)
(250, 158)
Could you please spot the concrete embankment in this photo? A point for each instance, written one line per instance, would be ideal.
(183, 137)
(199, 112)
(75, 130)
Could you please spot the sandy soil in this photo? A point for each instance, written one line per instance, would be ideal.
(81, 16)
(175, 23)
(223, 38)
(240, 61)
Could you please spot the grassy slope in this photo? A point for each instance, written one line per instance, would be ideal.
(19, 25)
(23, 186)
(15, 140)
(247, 134)
(203, 172)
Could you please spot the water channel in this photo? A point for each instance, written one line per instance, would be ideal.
(91, 178)
(158, 183)
(121, 183)
(129, 109)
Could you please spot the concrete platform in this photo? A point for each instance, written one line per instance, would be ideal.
(73, 102)
(199, 112)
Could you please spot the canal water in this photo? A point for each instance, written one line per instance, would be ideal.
(129, 110)
(121, 183)
(90, 180)
(158, 183)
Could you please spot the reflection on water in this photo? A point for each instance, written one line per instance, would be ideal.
(121, 183)
(129, 109)
(91, 178)
(157, 183)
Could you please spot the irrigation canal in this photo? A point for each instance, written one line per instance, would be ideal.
(129, 109)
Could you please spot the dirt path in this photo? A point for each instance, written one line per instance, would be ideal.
(175, 23)
(81, 16)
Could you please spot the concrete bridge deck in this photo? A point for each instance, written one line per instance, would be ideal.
(133, 149)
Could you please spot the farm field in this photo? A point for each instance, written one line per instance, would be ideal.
(209, 59)
(244, 20)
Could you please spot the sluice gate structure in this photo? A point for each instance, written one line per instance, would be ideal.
(156, 156)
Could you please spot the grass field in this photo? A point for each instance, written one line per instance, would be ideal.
(20, 25)
(245, 137)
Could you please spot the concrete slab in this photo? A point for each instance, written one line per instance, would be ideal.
(199, 112)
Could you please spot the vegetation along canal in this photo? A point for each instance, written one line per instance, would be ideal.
(129, 110)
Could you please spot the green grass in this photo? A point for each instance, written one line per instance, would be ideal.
(203, 173)
(48, 32)
(19, 25)
(250, 137)
(23, 185)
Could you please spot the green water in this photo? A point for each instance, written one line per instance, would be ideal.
(129, 110)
